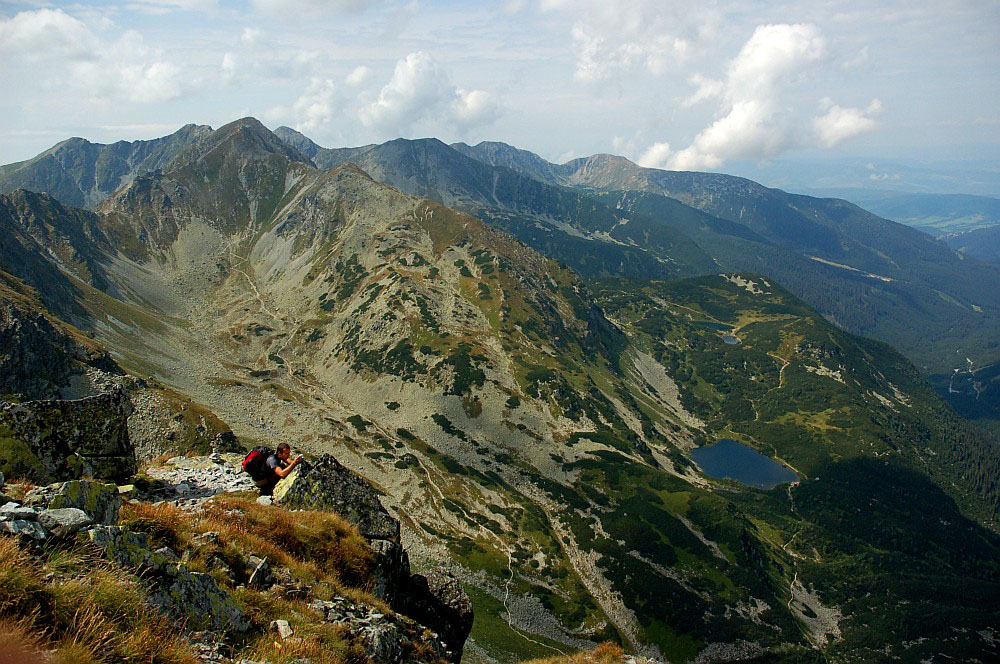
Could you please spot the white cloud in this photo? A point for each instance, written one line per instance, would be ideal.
(250, 36)
(839, 124)
(309, 8)
(46, 34)
(707, 88)
(421, 90)
(161, 7)
(474, 108)
(358, 76)
(317, 106)
(68, 54)
(657, 156)
(754, 122)
(228, 68)
(613, 37)
(860, 59)
(128, 69)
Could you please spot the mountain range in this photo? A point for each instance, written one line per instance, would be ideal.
(522, 356)
(868, 275)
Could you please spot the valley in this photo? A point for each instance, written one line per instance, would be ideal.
(521, 370)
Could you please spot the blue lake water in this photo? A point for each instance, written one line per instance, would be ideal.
(735, 461)
(730, 339)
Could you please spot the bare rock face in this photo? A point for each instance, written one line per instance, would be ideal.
(439, 601)
(68, 440)
(328, 485)
(35, 359)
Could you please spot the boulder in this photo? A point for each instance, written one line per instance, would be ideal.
(261, 577)
(64, 520)
(197, 600)
(67, 440)
(191, 597)
(437, 600)
(13, 511)
(22, 528)
(98, 500)
(328, 485)
(283, 629)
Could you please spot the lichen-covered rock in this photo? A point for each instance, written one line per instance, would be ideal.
(197, 600)
(22, 528)
(328, 485)
(1, 482)
(66, 440)
(191, 597)
(98, 500)
(126, 547)
(64, 520)
(439, 601)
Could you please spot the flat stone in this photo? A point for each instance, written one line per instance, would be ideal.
(11, 511)
(283, 629)
(265, 500)
(64, 520)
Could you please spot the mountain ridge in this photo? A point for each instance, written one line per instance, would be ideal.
(532, 430)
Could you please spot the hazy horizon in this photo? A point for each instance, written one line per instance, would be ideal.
(746, 88)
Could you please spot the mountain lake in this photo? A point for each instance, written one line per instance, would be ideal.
(735, 461)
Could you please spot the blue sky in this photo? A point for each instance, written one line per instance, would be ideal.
(691, 85)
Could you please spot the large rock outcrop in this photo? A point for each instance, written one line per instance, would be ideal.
(327, 485)
(35, 359)
(437, 600)
(67, 440)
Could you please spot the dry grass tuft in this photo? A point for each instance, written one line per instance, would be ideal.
(97, 616)
(19, 643)
(319, 547)
(166, 524)
(605, 653)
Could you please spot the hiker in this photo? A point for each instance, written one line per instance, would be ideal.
(267, 467)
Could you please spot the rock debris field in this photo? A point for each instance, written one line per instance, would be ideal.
(189, 481)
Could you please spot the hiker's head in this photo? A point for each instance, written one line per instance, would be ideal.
(284, 451)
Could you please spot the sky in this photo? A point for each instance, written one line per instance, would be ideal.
(749, 85)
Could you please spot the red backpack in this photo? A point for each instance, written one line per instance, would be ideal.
(254, 461)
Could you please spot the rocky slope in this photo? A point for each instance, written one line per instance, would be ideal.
(191, 550)
(532, 433)
(82, 174)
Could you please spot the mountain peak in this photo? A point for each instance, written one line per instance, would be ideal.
(246, 137)
(298, 140)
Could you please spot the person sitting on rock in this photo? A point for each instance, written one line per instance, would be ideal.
(274, 468)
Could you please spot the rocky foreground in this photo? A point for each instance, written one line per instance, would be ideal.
(180, 531)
